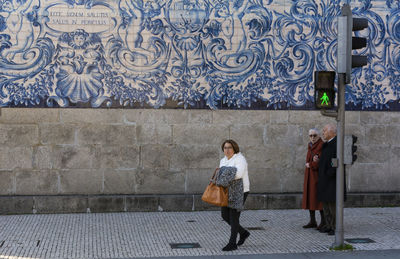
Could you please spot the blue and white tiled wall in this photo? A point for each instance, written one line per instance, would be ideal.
(239, 54)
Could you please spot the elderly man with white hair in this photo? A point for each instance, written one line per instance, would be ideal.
(326, 188)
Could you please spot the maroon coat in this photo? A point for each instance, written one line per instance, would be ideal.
(310, 201)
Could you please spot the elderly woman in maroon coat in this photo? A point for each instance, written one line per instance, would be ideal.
(310, 201)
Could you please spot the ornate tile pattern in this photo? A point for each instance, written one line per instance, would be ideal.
(239, 54)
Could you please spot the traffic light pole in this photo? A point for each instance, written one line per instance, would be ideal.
(339, 233)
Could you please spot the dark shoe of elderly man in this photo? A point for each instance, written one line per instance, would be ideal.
(325, 229)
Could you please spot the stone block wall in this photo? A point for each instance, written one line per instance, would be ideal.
(69, 160)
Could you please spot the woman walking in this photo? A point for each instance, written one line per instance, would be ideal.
(233, 174)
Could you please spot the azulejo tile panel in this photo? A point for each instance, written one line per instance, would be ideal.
(239, 54)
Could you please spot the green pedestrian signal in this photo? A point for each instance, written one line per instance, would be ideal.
(324, 94)
(325, 99)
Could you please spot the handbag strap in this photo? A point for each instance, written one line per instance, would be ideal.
(213, 177)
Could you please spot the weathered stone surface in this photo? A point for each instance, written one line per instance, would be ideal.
(194, 156)
(200, 116)
(291, 181)
(394, 162)
(142, 203)
(300, 158)
(374, 117)
(248, 135)
(373, 154)
(42, 157)
(279, 117)
(119, 181)
(61, 204)
(80, 181)
(96, 116)
(235, 117)
(197, 180)
(154, 134)
(116, 203)
(106, 204)
(394, 118)
(158, 152)
(107, 135)
(18, 135)
(150, 181)
(393, 135)
(57, 133)
(156, 156)
(352, 117)
(364, 200)
(176, 203)
(376, 135)
(29, 116)
(270, 157)
(389, 200)
(36, 182)
(64, 157)
(201, 205)
(309, 117)
(196, 134)
(368, 177)
(264, 180)
(7, 183)
(116, 157)
(359, 131)
(159, 116)
(288, 135)
(255, 202)
(283, 201)
(15, 157)
(16, 205)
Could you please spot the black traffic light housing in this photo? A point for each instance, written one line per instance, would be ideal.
(324, 91)
(354, 148)
(346, 42)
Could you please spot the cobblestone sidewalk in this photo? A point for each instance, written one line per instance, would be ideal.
(127, 235)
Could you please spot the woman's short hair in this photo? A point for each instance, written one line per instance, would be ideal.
(315, 130)
(234, 145)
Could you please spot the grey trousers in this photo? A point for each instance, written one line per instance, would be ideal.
(330, 214)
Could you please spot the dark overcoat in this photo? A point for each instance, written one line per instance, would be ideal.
(310, 201)
(326, 187)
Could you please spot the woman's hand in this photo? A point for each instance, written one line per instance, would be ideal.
(308, 165)
(316, 158)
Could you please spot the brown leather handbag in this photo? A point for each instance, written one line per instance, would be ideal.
(215, 195)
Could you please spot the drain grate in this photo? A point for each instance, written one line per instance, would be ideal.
(264, 220)
(255, 228)
(359, 240)
(191, 220)
(184, 245)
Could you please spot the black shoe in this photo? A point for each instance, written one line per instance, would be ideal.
(243, 238)
(325, 230)
(229, 247)
(321, 225)
(310, 225)
(331, 233)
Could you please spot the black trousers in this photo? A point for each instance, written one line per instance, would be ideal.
(231, 216)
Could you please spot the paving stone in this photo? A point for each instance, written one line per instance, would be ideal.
(149, 234)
